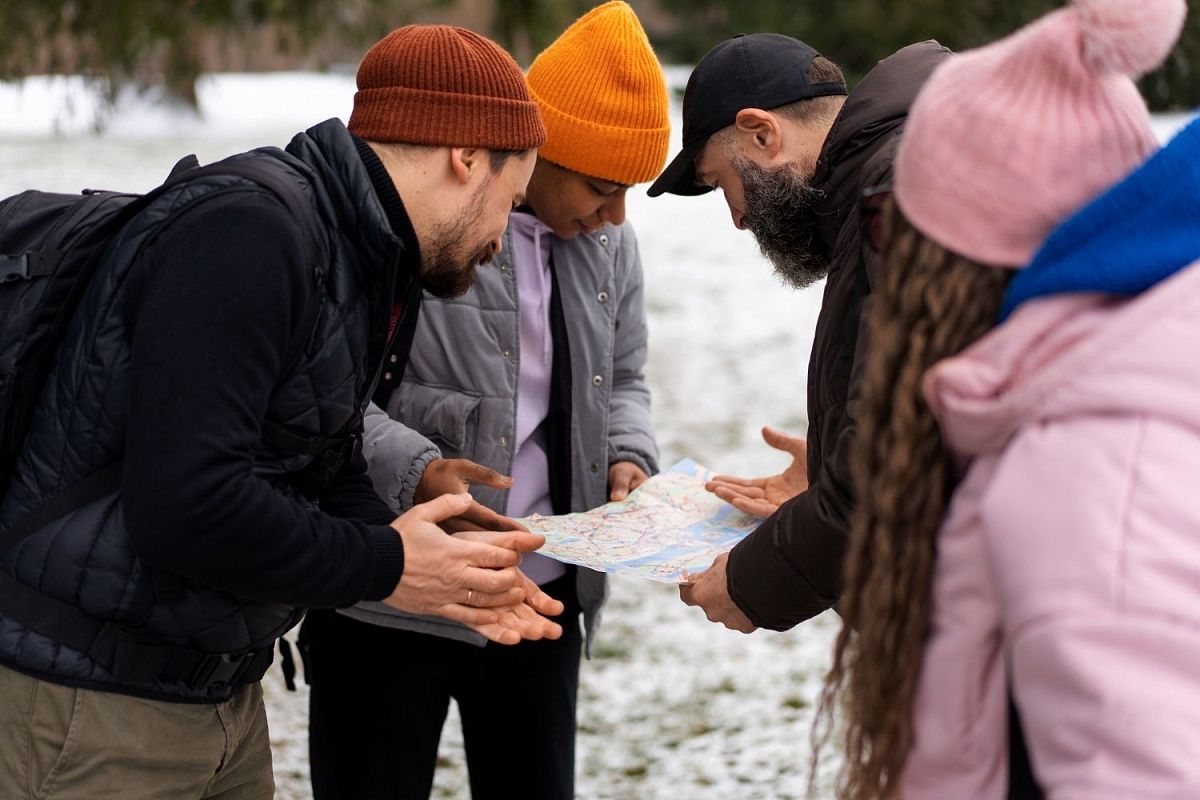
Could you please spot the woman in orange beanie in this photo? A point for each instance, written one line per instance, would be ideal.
(536, 373)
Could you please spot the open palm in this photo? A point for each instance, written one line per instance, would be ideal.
(761, 496)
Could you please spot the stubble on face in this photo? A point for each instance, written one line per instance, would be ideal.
(780, 210)
(445, 271)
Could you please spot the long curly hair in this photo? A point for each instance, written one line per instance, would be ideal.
(932, 304)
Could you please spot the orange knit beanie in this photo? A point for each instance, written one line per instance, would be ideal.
(441, 85)
(603, 98)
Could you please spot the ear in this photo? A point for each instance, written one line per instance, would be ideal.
(759, 130)
(465, 161)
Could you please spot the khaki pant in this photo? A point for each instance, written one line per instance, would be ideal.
(59, 743)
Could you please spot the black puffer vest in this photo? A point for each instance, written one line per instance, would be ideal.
(85, 558)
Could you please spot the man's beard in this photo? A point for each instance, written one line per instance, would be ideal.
(779, 211)
(445, 272)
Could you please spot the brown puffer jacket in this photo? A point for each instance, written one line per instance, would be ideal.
(790, 568)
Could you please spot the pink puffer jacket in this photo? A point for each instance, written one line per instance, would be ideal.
(1069, 562)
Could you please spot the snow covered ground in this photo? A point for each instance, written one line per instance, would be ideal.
(670, 706)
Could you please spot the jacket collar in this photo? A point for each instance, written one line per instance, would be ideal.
(875, 109)
(367, 210)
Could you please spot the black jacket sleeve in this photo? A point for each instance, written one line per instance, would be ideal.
(213, 305)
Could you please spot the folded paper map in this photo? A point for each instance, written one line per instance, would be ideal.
(668, 526)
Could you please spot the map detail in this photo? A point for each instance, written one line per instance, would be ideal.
(668, 526)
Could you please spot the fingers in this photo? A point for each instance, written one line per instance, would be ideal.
(485, 519)
(439, 508)
(457, 525)
(621, 479)
(529, 623)
(727, 491)
(505, 625)
(795, 445)
(732, 480)
(755, 508)
(471, 472)
(545, 604)
(490, 589)
(687, 591)
(539, 600)
(520, 541)
(751, 501)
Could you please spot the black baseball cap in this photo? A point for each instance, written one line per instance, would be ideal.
(757, 70)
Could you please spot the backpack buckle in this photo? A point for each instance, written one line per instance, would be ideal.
(221, 669)
(14, 268)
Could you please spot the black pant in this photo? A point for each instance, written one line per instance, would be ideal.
(1021, 783)
(379, 699)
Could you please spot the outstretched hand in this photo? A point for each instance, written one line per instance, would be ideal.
(455, 476)
(471, 578)
(761, 496)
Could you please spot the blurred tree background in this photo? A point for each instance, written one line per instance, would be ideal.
(168, 43)
(858, 33)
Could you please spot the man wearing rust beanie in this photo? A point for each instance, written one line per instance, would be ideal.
(217, 367)
(558, 402)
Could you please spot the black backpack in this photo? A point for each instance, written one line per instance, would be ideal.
(50, 246)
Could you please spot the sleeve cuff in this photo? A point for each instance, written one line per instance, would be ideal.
(389, 562)
(408, 483)
(646, 464)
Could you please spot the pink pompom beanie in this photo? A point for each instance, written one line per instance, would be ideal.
(1006, 141)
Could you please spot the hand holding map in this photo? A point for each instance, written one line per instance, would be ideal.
(667, 527)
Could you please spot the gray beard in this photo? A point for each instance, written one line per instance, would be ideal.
(780, 213)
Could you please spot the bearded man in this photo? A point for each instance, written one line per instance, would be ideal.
(769, 122)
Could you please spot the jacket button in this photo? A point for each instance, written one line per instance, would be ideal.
(595, 467)
(508, 353)
(597, 380)
(387, 376)
(604, 239)
(602, 297)
(393, 359)
(504, 441)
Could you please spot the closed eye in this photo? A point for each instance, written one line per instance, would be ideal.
(606, 190)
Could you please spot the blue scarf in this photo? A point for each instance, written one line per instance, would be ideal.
(1138, 233)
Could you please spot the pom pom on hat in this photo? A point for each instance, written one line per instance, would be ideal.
(1129, 37)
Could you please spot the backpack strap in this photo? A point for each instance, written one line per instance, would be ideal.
(87, 491)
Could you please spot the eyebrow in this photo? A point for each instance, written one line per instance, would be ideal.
(702, 178)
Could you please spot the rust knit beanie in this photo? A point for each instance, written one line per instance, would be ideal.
(603, 97)
(441, 85)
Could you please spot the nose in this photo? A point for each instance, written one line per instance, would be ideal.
(613, 209)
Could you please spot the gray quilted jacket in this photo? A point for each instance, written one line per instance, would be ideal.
(458, 398)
